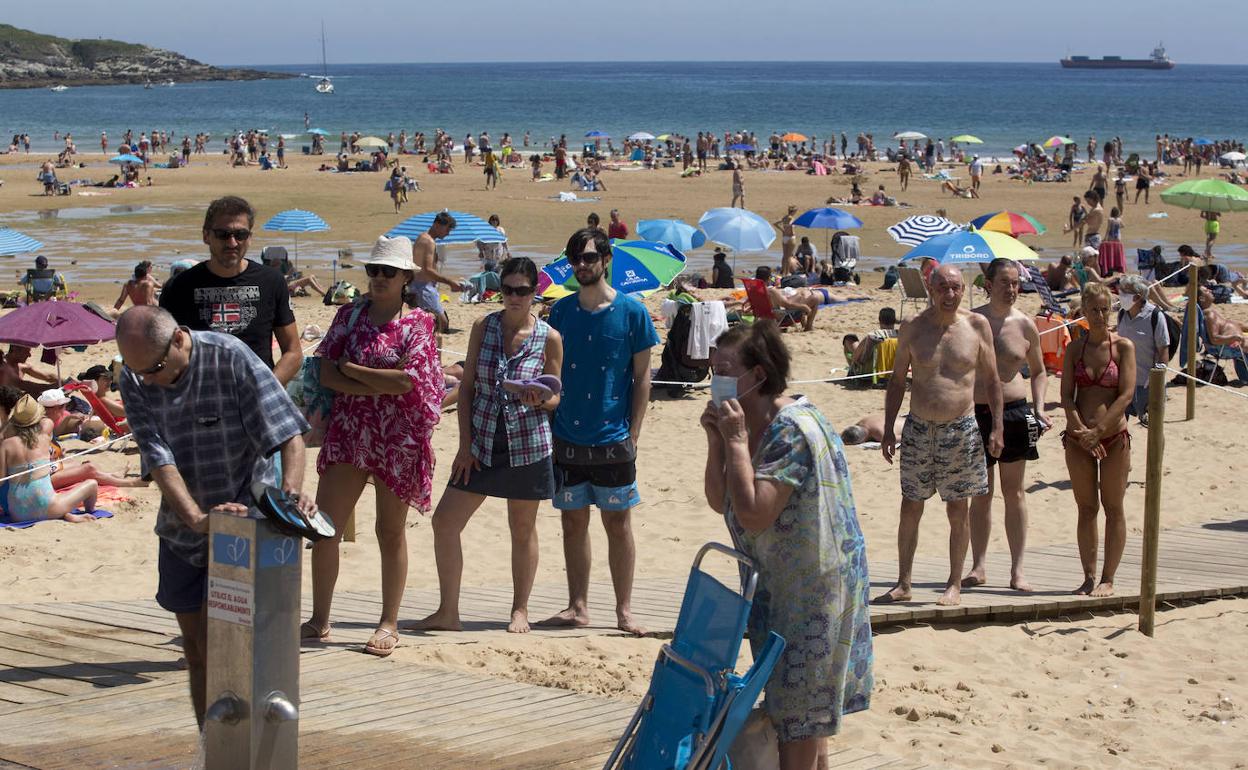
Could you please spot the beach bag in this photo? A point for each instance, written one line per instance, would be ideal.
(341, 293)
(313, 399)
(1209, 370)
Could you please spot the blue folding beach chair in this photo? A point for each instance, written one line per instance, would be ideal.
(696, 705)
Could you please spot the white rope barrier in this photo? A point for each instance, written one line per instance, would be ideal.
(791, 382)
(1182, 373)
(95, 448)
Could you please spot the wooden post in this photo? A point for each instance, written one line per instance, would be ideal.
(1192, 310)
(1152, 497)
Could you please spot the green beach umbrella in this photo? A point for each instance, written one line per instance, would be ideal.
(966, 139)
(1207, 195)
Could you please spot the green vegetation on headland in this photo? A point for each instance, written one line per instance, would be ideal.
(31, 60)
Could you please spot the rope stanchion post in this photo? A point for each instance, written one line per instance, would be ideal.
(1152, 496)
(1192, 310)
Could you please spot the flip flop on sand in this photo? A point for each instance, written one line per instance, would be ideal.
(309, 633)
(548, 385)
(374, 646)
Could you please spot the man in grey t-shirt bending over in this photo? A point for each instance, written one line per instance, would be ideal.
(208, 417)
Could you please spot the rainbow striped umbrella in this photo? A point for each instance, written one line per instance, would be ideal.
(1058, 141)
(1009, 223)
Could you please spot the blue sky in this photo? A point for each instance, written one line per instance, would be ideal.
(247, 32)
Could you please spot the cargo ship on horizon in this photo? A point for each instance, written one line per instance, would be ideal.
(1157, 61)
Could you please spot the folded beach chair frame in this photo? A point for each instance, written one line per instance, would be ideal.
(913, 288)
(1049, 301)
(696, 704)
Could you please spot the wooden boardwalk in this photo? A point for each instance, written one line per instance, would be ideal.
(98, 684)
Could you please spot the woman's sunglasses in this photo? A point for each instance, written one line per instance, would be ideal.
(517, 291)
(388, 271)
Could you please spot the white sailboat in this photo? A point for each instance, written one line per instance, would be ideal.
(59, 88)
(324, 85)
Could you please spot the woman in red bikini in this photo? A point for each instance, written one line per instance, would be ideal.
(1098, 380)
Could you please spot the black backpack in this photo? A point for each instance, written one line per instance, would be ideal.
(1173, 329)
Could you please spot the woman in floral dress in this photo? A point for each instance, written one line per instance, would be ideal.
(383, 365)
(776, 469)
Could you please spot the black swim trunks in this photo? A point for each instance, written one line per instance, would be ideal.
(1022, 431)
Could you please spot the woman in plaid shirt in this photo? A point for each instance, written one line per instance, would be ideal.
(504, 442)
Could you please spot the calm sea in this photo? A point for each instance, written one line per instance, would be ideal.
(1003, 104)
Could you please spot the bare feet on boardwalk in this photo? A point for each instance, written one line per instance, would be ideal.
(438, 621)
(567, 618)
(1106, 588)
(897, 593)
(974, 578)
(952, 596)
(1084, 588)
(1019, 583)
(519, 622)
(625, 622)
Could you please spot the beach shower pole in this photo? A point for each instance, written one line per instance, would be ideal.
(1152, 496)
(252, 721)
(1192, 310)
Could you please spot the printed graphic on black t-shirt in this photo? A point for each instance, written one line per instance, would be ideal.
(249, 306)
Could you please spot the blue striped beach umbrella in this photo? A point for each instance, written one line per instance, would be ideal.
(296, 221)
(469, 228)
(597, 135)
(915, 230)
(12, 242)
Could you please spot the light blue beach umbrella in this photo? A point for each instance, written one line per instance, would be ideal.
(741, 147)
(1202, 141)
(597, 135)
(318, 131)
(127, 158)
(13, 242)
(680, 234)
(469, 228)
(738, 229)
(296, 221)
(970, 247)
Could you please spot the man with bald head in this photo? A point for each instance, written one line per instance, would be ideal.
(951, 352)
(208, 416)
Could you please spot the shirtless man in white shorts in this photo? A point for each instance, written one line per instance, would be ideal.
(941, 449)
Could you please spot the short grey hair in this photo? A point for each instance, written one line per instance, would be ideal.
(1134, 284)
(147, 324)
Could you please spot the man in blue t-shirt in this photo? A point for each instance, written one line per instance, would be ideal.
(607, 338)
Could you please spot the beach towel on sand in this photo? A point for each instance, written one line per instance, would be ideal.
(6, 523)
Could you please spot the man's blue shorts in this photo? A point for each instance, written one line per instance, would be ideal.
(183, 587)
(611, 487)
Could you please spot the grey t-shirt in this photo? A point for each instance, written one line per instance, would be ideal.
(219, 424)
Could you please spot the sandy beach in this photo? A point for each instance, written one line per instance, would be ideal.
(1082, 691)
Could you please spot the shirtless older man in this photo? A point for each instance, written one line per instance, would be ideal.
(1224, 332)
(1016, 342)
(950, 349)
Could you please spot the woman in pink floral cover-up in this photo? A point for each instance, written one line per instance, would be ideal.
(384, 368)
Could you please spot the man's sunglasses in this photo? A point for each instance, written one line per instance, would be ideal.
(388, 271)
(159, 366)
(586, 258)
(239, 235)
(517, 291)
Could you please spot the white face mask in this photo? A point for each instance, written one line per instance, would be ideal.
(724, 387)
(1127, 299)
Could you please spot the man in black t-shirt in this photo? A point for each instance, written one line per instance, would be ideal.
(233, 295)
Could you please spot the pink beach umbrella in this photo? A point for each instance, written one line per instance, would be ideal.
(55, 324)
